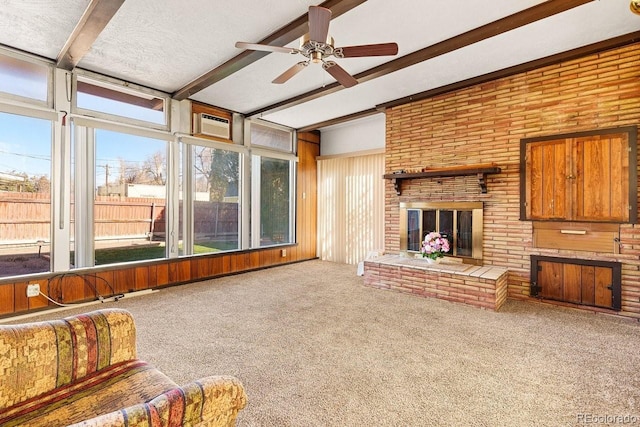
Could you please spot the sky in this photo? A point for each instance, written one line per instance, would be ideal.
(25, 143)
(25, 146)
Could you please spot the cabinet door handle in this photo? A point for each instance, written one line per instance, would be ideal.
(573, 232)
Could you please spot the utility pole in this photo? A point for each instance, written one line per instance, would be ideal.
(106, 177)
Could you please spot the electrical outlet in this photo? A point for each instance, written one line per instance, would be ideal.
(283, 253)
(33, 290)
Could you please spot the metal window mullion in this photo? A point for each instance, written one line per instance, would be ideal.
(84, 152)
(255, 201)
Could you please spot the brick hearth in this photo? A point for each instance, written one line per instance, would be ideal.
(484, 287)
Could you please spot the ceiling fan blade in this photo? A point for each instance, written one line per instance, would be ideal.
(265, 47)
(340, 74)
(282, 78)
(319, 18)
(382, 49)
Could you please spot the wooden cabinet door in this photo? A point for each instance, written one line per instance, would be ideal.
(600, 178)
(550, 280)
(546, 165)
(585, 282)
(585, 177)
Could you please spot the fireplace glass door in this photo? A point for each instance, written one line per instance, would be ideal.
(460, 223)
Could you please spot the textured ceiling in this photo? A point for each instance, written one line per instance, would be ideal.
(165, 45)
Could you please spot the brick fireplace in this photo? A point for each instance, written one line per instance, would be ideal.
(485, 123)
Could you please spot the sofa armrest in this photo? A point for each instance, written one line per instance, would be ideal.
(211, 401)
(43, 356)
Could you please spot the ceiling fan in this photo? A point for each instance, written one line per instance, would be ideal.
(317, 46)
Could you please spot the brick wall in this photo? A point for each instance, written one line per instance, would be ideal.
(485, 123)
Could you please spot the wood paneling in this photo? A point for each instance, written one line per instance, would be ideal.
(124, 280)
(105, 283)
(6, 299)
(141, 280)
(21, 302)
(82, 286)
(307, 222)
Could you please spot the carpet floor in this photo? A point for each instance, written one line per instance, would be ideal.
(314, 347)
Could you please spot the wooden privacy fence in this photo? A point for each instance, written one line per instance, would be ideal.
(25, 218)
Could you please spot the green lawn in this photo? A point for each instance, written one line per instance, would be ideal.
(145, 252)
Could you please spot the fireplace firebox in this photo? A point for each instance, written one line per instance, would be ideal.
(458, 222)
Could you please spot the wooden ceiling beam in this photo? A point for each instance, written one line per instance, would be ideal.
(285, 35)
(342, 119)
(94, 19)
(557, 58)
(492, 29)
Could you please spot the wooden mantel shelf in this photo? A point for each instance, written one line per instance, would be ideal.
(481, 170)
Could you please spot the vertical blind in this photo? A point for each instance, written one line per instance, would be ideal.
(350, 207)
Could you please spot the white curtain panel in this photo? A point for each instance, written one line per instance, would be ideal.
(350, 207)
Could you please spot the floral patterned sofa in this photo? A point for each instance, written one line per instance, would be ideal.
(83, 369)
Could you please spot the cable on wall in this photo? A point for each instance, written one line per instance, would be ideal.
(58, 279)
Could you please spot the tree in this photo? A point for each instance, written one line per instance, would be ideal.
(154, 168)
(130, 172)
(220, 168)
(41, 184)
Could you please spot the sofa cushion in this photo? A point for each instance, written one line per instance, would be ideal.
(118, 386)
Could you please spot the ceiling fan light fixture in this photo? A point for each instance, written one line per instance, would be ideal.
(635, 6)
(316, 57)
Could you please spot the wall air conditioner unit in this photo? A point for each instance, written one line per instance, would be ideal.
(206, 124)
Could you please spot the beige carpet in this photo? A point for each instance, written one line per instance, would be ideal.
(315, 347)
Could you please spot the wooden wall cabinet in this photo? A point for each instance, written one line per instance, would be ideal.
(585, 176)
(585, 282)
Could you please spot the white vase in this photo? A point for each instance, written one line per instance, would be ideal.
(433, 261)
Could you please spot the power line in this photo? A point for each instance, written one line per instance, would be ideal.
(31, 156)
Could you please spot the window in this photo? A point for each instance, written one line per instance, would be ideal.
(121, 203)
(273, 222)
(130, 197)
(113, 99)
(23, 78)
(272, 184)
(25, 195)
(213, 202)
(271, 137)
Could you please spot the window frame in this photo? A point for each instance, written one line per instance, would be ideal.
(48, 103)
(84, 201)
(127, 89)
(188, 144)
(257, 152)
